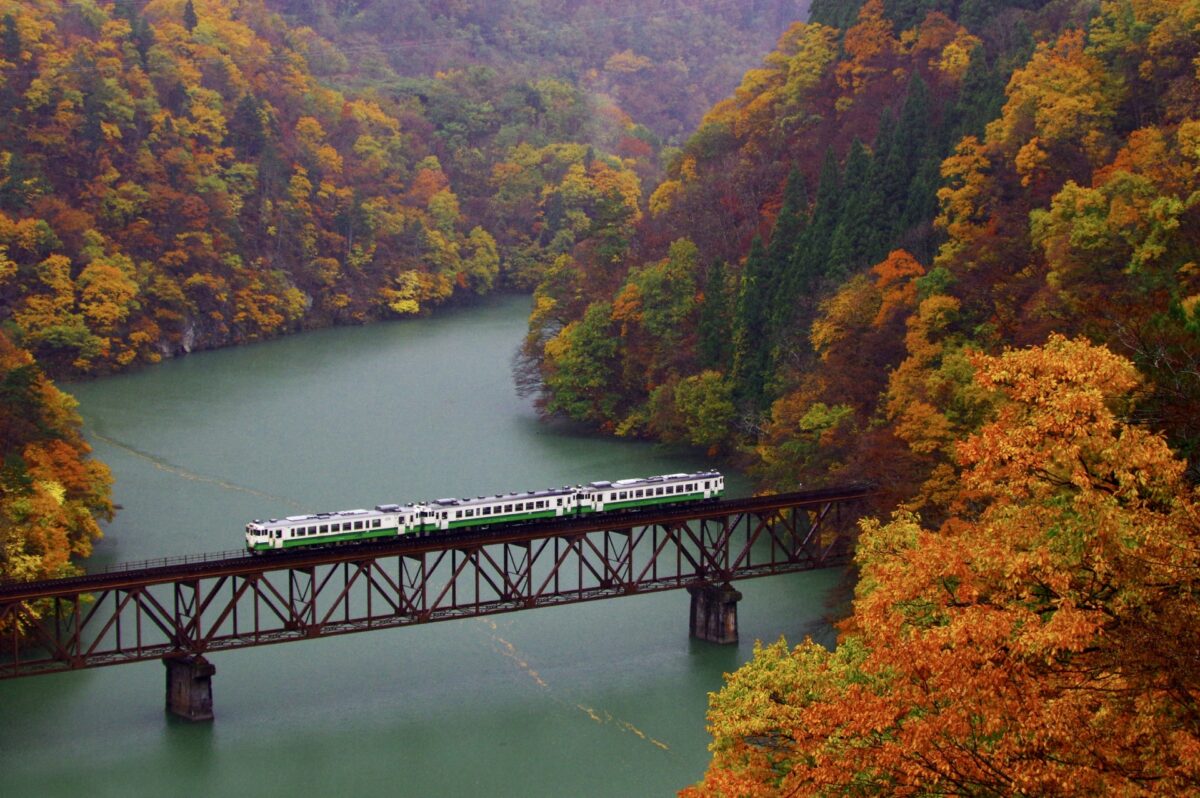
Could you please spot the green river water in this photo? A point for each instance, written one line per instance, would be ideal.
(598, 699)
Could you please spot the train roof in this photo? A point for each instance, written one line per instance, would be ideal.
(501, 497)
(338, 515)
(624, 483)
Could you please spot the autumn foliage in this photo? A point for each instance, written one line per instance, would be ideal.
(1042, 640)
(51, 493)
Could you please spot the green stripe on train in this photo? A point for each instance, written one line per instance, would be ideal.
(646, 501)
(362, 534)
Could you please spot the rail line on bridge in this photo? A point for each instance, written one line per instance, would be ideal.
(180, 611)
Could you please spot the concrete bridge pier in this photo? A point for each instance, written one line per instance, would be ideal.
(714, 613)
(189, 686)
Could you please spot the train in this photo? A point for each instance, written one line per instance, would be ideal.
(499, 510)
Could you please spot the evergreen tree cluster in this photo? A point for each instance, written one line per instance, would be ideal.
(881, 199)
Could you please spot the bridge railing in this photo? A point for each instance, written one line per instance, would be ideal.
(168, 562)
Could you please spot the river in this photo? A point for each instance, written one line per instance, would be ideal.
(604, 698)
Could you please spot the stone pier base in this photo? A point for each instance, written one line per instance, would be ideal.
(189, 686)
(714, 613)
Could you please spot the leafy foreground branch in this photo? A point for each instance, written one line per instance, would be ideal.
(1045, 640)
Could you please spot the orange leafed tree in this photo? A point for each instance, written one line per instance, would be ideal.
(51, 493)
(1042, 641)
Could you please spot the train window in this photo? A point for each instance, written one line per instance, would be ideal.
(324, 528)
(560, 502)
(706, 486)
(520, 506)
(377, 523)
(508, 508)
(458, 513)
(659, 492)
(470, 513)
(358, 525)
(486, 511)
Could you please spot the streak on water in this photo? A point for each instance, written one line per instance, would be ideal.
(183, 473)
(508, 650)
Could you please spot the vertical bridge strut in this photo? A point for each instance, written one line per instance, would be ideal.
(181, 613)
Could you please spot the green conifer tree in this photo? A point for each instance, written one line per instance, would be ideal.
(190, 20)
(854, 231)
(715, 345)
(752, 358)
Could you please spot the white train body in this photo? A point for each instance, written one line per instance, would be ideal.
(394, 520)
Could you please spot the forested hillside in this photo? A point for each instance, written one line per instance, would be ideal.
(873, 203)
(174, 178)
(950, 248)
(662, 62)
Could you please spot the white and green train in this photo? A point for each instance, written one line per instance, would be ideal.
(395, 520)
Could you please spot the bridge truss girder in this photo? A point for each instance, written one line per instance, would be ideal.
(252, 601)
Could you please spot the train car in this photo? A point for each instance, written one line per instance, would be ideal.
(501, 509)
(343, 526)
(627, 494)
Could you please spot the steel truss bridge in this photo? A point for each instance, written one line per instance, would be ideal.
(180, 610)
